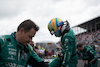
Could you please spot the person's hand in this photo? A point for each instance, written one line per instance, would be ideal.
(31, 43)
(59, 52)
(90, 61)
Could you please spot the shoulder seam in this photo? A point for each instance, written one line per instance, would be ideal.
(4, 41)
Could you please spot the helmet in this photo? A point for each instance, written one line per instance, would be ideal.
(58, 27)
(54, 26)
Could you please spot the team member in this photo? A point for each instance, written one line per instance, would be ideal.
(68, 57)
(88, 53)
(14, 50)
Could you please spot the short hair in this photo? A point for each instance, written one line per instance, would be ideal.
(27, 25)
(79, 45)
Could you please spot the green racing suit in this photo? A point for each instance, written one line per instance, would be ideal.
(13, 54)
(89, 54)
(69, 55)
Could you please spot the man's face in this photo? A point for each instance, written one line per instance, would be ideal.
(27, 37)
(81, 48)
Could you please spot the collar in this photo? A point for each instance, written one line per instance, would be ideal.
(18, 44)
(65, 31)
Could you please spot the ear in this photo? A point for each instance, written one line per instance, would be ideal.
(21, 30)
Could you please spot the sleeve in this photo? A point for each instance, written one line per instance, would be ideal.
(0, 46)
(34, 63)
(34, 55)
(1, 41)
(35, 60)
(92, 53)
(67, 50)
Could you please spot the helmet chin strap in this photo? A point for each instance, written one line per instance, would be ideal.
(65, 28)
(65, 31)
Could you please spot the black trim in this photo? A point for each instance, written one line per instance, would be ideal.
(65, 31)
(8, 39)
(34, 63)
(74, 55)
(26, 50)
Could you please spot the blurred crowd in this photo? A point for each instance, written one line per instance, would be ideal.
(89, 38)
(48, 52)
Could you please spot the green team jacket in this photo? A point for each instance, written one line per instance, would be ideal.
(68, 50)
(89, 54)
(13, 54)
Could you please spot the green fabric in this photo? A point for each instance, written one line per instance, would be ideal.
(55, 63)
(12, 53)
(89, 54)
(68, 49)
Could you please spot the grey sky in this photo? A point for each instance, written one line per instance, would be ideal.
(13, 12)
